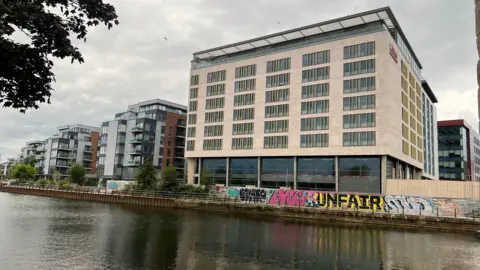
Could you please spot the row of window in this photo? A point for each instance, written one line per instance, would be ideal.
(359, 103)
(191, 132)
(359, 50)
(190, 145)
(278, 80)
(277, 95)
(214, 117)
(212, 144)
(243, 100)
(242, 128)
(314, 107)
(245, 85)
(316, 58)
(192, 106)
(277, 110)
(316, 74)
(278, 65)
(276, 126)
(315, 90)
(366, 138)
(359, 67)
(242, 143)
(270, 142)
(192, 119)
(216, 90)
(245, 71)
(214, 103)
(314, 123)
(359, 85)
(193, 93)
(213, 131)
(216, 76)
(313, 140)
(363, 120)
(243, 114)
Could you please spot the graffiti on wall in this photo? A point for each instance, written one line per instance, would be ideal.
(395, 204)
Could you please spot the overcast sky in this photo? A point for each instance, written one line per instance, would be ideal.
(133, 62)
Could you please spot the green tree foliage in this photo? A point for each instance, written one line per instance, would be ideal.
(77, 174)
(147, 175)
(30, 160)
(56, 176)
(26, 69)
(206, 179)
(169, 179)
(23, 172)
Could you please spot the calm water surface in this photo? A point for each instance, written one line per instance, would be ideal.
(46, 233)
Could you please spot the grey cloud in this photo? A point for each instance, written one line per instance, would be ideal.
(133, 62)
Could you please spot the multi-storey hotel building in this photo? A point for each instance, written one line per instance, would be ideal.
(331, 106)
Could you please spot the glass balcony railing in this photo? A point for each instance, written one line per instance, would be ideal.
(136, 129)
(133, 162)
(135, 151)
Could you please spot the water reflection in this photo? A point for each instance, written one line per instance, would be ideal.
(43, 233)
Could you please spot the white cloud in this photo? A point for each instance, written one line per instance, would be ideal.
(133, 62)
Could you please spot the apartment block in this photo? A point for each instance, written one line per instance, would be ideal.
(331, 106)
(459, 151)
(154, 128)
(430, 133)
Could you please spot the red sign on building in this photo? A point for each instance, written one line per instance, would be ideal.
(393, 53)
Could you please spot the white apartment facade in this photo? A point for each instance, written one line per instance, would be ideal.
(333, 106)
(430, 133)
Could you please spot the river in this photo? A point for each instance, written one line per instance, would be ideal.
(48, 233)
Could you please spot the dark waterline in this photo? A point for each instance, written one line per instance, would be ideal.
(47, 233)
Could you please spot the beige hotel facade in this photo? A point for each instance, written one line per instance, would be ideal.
(335, 106)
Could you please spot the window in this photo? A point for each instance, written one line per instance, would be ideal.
(214, 117)
(405, 148)
(419, 89)
(315, 90)
(405, 115)
(242, 143)
(413, 123)
(316, 74)
(191, 132)
(192, 119)
(277, 95)
(245, 85)
(404, 84)
(212, 144)
(420, 156)
(316, 58)
(359, 85)
(313, 107)
(211, 131)
(404, 100)
(245, 71)
(405, 131)
(278, 80)
(359, 103)
(404, 69)
(243, 114)
(419, 142)
(419, 115)
(360, 67)
(243, 100)
(242, 129)
(216, 76)
(276, 126)
(215, 90)
(413, 137)
(411, 79)
(413, 152)
(314, 123)
(419, 102)
(192, 106)
(193, 92)
(412, 93)
(278, 65)
(419, 128)
(214, 103)
(359, 50)
(313, 140)
(359, 120)
(194, 79)
(276, 110)
(270, 142)
(366, 138)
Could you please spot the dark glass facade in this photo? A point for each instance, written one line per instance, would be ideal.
(215, 168)
(277, 172)
(453, 152)
(359, 174)
(314, 173)
(243, 172)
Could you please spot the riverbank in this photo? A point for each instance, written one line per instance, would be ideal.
(227, 205)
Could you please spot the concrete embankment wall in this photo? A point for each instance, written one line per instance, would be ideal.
(280, 212)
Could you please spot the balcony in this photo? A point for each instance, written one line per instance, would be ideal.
(136, 141)
(135, 151)
(133, 162)
(65, 148)
(86, 158)
(136, 130)
(66, 157)
(66, 165)
(87, 150)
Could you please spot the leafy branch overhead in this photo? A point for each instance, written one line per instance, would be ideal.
(26, 75)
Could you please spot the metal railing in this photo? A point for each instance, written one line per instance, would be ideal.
(445, 211)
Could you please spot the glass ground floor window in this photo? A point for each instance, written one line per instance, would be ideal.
(359, 174)
(277, 172)
(316, 173)
(243, 172)
(216, 168)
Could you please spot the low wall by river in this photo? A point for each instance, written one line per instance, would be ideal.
(242, 203)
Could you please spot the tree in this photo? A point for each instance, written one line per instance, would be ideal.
(26, 69)
(30, 160)
(56, 176)
(147, 175)
(77, 174)
(23, 172)
(169, 178)
(206, 179)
